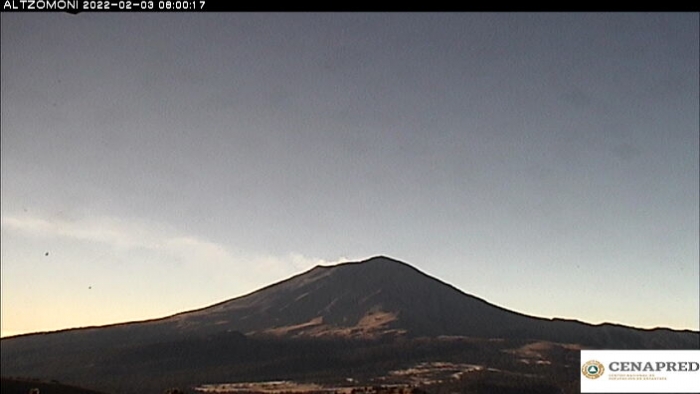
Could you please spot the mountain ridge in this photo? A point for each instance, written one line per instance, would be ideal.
(391, 267)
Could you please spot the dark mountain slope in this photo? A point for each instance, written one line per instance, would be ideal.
(376, 297)
(382, 296)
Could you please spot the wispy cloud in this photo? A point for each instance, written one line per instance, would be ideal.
(117, 233)
(128, 234)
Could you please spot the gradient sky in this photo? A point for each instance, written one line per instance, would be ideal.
(547, 163)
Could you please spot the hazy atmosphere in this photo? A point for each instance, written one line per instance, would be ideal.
(156, 163)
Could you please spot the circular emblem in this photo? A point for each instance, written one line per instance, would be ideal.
(592, 369)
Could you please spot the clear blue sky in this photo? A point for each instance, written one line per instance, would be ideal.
(547, 163)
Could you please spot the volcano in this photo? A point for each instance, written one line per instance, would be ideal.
(306, 323)
(382, 297)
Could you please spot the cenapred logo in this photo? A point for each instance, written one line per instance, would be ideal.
(592, 369)
(640, 371)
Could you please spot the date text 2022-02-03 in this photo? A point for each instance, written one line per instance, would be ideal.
(161, 5)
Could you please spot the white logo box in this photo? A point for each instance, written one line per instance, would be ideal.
(642, 371)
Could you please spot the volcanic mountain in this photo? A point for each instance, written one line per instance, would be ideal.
(379, 297)
(385, 297)
(372, 298)
(311, 322)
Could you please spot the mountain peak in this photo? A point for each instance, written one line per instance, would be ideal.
(387, 264)
(382, 258)
(370, 260)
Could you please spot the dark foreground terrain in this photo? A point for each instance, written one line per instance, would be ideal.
(24, 386)
(436, 365)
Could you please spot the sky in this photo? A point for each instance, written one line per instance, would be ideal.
(157, 163)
